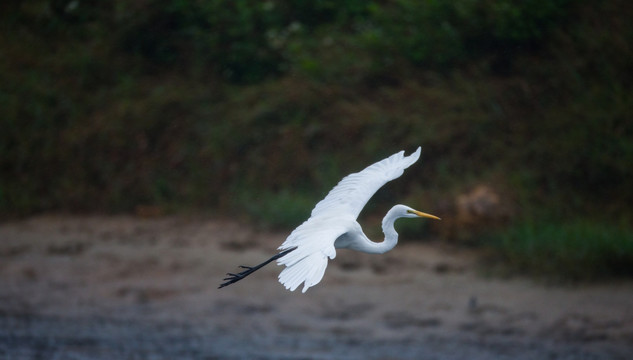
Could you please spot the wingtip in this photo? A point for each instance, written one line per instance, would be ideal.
(416, 154)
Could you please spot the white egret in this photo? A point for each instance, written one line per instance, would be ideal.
(332, 225)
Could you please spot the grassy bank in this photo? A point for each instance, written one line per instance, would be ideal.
(578, 251)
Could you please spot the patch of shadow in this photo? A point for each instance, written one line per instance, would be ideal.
(346, 312)
(243, 307)
(484, 328)
(474, 308)
(146, 295)
(579, 327)
(399, 320)
(177, 266)
(342, 331)
(239, 242)
(388, 264)
(11, 305)
(292, 327)
(180, 242)
(138, 236)
(523, 317)
(29, 273)
(136, 267)
(445, 268)
(67, 249)
(378, 265)
(110, 258)
(15, 250)
(349, 264)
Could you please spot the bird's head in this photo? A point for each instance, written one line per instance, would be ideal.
(407, 212)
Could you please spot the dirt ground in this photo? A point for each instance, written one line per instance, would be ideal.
(132, 288)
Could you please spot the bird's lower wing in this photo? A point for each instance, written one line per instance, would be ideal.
(351, 194)
(309, 271)
(314, 242)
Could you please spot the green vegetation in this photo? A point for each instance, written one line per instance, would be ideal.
(283, 209)
(259, 108)
(580, 250)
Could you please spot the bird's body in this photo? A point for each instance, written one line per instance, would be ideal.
(332, 225)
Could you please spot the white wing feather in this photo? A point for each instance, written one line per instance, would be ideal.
(352, 193)
(314, 240)
(332, 217)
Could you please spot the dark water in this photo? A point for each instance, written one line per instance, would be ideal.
(46, 337)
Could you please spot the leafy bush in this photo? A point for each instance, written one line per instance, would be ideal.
(244, 42)
(440, 34)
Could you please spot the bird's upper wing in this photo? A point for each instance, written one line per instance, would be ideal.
(351, 194)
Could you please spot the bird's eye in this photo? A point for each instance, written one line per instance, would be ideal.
(410, 211)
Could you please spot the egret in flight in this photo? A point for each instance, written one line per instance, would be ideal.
(332, 225)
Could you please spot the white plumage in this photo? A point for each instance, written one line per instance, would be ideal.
(334, 218)
(332, 225)
(351, 194)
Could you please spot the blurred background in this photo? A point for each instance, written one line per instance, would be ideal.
(255, 109)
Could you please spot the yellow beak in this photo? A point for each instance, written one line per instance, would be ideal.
(421, 214)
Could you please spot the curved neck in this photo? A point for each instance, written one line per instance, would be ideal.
(391, 236)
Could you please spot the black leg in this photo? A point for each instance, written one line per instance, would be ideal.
(233, 278)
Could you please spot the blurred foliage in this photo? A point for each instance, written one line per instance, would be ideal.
(282, 209)
(580, 250)
(443, 33)
(261, 107)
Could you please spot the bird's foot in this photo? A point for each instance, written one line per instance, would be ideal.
(231, 278)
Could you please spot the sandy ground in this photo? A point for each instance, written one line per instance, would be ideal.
(132, 288)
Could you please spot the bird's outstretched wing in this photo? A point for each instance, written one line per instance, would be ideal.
(332, 217)
(351, 194)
